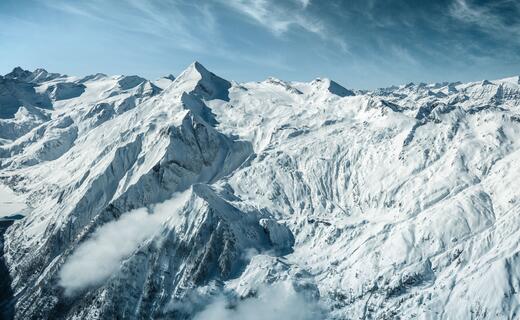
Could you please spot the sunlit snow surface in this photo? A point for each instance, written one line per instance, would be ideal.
(402, 201)
(10, 202)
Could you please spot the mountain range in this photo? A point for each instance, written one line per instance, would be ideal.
(195, 197)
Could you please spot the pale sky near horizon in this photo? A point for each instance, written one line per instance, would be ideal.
(359, 43)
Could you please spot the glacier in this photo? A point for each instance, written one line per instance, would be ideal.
(195, 197)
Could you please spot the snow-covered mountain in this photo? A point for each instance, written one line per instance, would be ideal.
(193, 197)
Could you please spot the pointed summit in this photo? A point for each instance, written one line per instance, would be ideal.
(42, 75)
(18, 73)
(199, 81)
(195, 70)
(129, 82)
(92, 77)
(333, 87)
(199, 67)
(339, 90)
(37, 76)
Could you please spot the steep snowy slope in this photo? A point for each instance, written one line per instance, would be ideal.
(193, 197)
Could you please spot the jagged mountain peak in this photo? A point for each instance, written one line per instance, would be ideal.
(37, 76)
(199, 67)
(196, 71)
(196, 79)
(18, 73)
(129, 82)
(332, 86)
(93, 77)
(402, 201)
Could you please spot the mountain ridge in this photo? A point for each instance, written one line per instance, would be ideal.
(398, 201)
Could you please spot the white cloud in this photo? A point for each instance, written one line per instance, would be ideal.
(279, 301)
(100, 256)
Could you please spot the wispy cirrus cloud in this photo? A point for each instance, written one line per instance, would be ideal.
(191, 26)
(498, 18)
(394, 41)
(279, 17)
(162, 19)
(304, 3)
(275, 17)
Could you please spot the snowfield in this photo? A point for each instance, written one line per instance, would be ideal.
(195, 197)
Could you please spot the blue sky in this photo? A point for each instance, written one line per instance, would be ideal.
(361, 44)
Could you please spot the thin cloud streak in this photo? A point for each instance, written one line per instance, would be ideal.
(486, 19)
(168, 21)
(364, 43)
(140, 16)
(279, 19)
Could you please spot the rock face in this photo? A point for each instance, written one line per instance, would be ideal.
(15, 94)
(175, 200)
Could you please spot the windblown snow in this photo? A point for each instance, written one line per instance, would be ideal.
(195, 197)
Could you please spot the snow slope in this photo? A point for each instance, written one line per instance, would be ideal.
(192, 196)
(10, 202)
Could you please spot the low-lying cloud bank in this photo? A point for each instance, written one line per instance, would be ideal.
(279, 301)
(100, 256)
